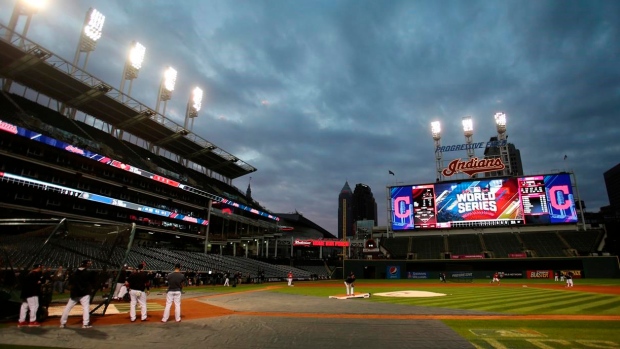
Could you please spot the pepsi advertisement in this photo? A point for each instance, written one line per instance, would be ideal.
(493, 202)
(393, 272)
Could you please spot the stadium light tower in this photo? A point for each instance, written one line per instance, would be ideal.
(132, 66)
(165, 89)
(91, 32)
(436, 131)
(502, 137)
(468, 129)
(23, 8)
(193, 107)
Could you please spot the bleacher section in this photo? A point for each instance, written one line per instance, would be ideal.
(544, 244)
(398, 247)
(501, 244)
(462, 244)
(428, 247)
(69, 253)
(585, 242)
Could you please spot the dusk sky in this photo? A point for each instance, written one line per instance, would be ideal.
(317, 93)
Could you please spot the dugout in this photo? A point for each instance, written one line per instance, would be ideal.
(591, 266)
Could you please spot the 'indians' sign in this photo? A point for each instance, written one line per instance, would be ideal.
(473, 166)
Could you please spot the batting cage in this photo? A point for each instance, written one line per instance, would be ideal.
(60, 246)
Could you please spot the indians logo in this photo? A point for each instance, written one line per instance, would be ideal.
(393, 270)
(473, 166)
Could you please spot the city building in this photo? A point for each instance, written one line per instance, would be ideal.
(345, 212)
(612, 184)
(514, 155)
(364, 204)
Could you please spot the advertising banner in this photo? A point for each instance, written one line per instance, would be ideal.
(493, 202)
(417, 275)
(467, 256)
(517, 255)
(510, 274)
(539, 274)
(393, 272)
(576, 273)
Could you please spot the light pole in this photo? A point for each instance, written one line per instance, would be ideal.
(436, 132)
(193, 107)
(91, 32)
(468, 130)
(132, 66)
(165, 89)
(502, 138)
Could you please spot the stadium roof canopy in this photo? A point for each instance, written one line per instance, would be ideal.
(37, 68)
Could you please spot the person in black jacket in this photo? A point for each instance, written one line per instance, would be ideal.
(31, 290)
(82, 281)
(349, 283)
(138, 285)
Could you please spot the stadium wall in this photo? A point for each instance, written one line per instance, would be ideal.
(590, 267)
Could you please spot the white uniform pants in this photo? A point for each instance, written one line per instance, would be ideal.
(32, 304)
(137, 297)
(85, 302)
(173, 296)
(350, 288)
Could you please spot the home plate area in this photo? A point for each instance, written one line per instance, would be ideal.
(358, 295)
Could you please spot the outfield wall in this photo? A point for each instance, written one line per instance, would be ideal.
(589, 267)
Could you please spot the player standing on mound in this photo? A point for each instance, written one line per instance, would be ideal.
(496, 278)
(349, 283)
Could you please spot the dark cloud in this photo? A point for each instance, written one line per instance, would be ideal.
(316, 93)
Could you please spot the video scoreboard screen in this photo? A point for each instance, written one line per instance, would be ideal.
(493, 202)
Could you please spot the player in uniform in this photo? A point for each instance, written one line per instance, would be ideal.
(349, 283)
(496, 278)
(290, 278)
(569, 279)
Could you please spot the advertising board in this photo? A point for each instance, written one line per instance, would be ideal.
(485, 202)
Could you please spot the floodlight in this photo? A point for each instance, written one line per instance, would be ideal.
(136, 55)
(468, 126)
(197, 99)
(436, 129)
(94, 25)
(170, 78)
(32, 6)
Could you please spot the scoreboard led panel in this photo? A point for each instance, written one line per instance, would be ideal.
(493, 202)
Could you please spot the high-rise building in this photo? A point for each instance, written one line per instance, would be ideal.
(364, 204)
(612, 184)
(514, 155)
(345, 212)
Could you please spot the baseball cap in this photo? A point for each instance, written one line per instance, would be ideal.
(177, 266)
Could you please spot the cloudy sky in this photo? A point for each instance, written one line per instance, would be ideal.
(317, 93)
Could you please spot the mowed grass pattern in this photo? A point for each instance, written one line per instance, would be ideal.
(514, 300)
(509, 298)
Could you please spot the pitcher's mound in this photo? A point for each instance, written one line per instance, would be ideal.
(409, 294)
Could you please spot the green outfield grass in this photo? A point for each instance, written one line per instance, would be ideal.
(509, 298)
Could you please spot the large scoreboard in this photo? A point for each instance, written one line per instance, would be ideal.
(485, 202)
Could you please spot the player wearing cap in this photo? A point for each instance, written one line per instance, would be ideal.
(349, 283)
(289, 277)
(31, 289)
(175, 288)
(82, 282)
(138, 285)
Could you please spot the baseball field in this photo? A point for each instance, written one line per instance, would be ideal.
(517, 313)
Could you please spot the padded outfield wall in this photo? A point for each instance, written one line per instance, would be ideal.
(589, 267)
